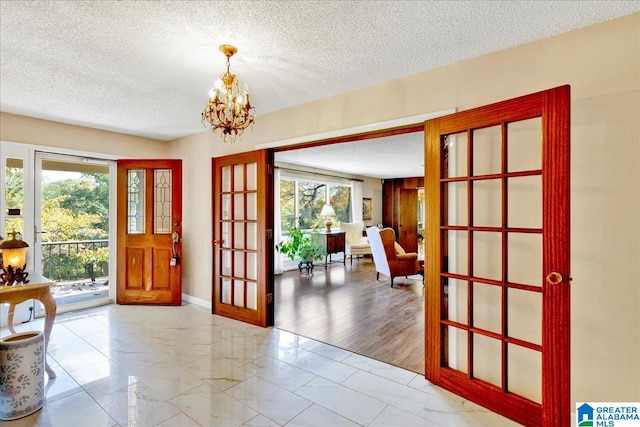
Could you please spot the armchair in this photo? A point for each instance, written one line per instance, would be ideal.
(355, 242)
(388, 256)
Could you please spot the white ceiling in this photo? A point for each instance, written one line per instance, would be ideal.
(145, 67)
(399, 156)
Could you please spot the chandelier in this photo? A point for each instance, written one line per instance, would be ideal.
(228, 110)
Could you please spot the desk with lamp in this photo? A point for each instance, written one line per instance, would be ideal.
(16, 287)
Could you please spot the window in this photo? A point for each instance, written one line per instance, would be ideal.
(340, 198)
(301, 200)
(14, 196)
(311, 197)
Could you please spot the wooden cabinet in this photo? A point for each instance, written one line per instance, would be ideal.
(400, 209)
(334, 243)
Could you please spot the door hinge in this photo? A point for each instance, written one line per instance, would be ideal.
(269, 169)
(269, 232)
(269, 298)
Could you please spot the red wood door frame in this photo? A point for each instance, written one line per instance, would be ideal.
(555, 407)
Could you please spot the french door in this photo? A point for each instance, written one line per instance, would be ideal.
(149, 232)
(497, 256)
(72, 223)
(243, 237)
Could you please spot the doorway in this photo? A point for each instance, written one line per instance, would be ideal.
(501, 340)
(71, 227)
(60, 205)
(344, 305)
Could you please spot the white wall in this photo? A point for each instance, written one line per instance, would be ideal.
(372, 188)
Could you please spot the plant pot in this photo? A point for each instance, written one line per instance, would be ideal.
(306, 265)
(21, 375)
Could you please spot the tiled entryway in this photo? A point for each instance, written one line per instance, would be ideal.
(182, 366)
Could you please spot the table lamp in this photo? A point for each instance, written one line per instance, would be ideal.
(328, 211)
(14, 261)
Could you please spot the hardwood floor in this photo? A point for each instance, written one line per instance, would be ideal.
(347, 307)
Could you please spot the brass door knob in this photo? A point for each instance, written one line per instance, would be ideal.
(554, 278)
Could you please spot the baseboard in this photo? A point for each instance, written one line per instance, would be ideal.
(197, 301)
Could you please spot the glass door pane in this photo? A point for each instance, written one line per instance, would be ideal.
(238, 227)
(14, 196)
(73, 226)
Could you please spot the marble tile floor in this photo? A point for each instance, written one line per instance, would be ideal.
(181, 366)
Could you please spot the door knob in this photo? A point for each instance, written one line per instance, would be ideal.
(554, 278)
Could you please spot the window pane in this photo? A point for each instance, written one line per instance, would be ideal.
(252, 176)
(301, 202)
(456, 341)
(287, 205)
(487, 359)
(14, 197)
(238, 178)
(135, 199)
(456, 149)
(524, 369)
(340, 197)
(487, 154)
(226, 178)
(525, 145)
(162, 199)
(487, 203)
(311, 196)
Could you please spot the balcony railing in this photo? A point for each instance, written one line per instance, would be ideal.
(62, 261)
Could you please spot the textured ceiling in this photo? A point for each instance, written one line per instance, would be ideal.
(399, 156)
(145, 67)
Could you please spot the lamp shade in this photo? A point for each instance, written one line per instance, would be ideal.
(327, 210)
(14, 260)
(14, 257)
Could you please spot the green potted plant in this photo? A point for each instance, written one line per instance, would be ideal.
(302, 247)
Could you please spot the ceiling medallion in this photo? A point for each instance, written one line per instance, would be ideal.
(228, 110)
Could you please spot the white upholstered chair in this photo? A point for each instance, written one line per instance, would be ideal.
(355, 243)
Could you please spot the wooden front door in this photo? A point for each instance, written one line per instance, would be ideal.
(242, 237)
(149, 232)
(497, 256)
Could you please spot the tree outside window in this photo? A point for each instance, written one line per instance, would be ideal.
(301, 202)
(340, 197)
(311, 197)
(287, 204)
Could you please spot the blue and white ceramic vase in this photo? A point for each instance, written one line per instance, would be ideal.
(21, 375)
